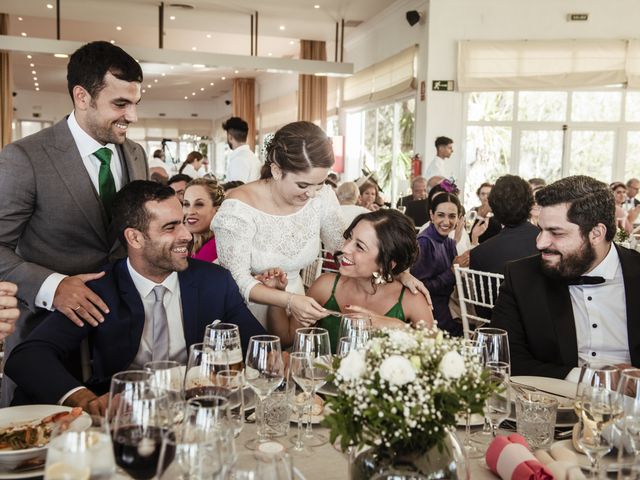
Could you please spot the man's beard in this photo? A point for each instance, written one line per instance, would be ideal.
(571, 265)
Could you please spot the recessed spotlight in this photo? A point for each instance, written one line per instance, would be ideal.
(49, 6)
(316, 6)
(223, 78)
(171, 67)
(193, 93)
(112, 42)
(163, 74)
(33, 72)
(202, 89)
(144, 91)
(291, 42)
(281, 27)
(19, 19)
(32, 65)
(37, 89)
(236, 71)
(29, 57)
(269, 54)
(212, 84)
(186, 98)
(149, 86)
(61, 55)
(194, 48)
(118, 28)
(198, 65)
(36, 84)
(35, 79)
(155, 80)
(172, 17)
(24, 34)
(208, 35)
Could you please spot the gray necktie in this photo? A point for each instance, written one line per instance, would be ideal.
(160, 347)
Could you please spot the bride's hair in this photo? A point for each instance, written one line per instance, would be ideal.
(298, 147)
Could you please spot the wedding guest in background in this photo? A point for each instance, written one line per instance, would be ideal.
(633, 185)
(577, 301)
(368, 196)
(243, 165)
(57, 188)
(484, 213)
(332, 180)
(160, 303)
(157, 168)
(378, 247)
(418, 191)
(535, 209)
(202, 198)
(9, 311)
(444, 150)
(192, 165)
(624, 220)
(348, 194)
(179, 183)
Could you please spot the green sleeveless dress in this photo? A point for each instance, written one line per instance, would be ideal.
(332, 323)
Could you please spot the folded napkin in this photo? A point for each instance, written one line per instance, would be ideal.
(562, 462)
(510, 458)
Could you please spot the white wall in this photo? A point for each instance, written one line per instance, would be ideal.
(454, 20)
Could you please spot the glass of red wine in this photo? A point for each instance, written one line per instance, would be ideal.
(138, 428)
(202, 369)
(125, 385)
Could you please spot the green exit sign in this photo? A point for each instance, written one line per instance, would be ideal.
(442, 85)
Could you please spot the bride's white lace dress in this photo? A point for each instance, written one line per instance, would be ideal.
(250, 241)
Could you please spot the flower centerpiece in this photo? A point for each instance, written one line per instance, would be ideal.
(401, 394)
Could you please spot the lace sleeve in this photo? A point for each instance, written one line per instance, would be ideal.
(332, 224)
(234, 231)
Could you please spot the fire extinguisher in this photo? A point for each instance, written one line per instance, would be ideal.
(416, 166)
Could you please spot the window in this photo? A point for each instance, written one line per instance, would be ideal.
(551, 134)
(24, 128)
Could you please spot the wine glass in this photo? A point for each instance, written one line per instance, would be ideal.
(475, 353)
(345, 345)
(233, 382)
(137, 431)
(315, 342)
(167, 376)
(202, 369)
(629, 424)
(498, 405)
(125, 386)
(264, 372)
(185, 459)
(606, 377)
(600, 409)
(225, 337)
(299, 389)
(355, 326)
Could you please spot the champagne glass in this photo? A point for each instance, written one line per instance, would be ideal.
(233, 382)
(202, 369)
(225, 337)
(315, 342)
(629, 424)
(264, 372)
(474, 353)
(606, 377)
(299, 390)
(125, 386)
(600, 408)
(498, 406)
(138, 428)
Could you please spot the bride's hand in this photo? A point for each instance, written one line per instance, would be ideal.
(306, 310)
(414, 285)
(273, 278)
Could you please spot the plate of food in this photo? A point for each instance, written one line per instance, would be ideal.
(25, 432)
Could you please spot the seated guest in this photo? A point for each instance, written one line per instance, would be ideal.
(624, 219)
(9, 311)
(192, 165)
(179, 183)
(369, 196)
(378, 246)
(157, 168)
(434, 266)
(511, 201)
(535, 209)
(418, 191)
(202, 198)
(159, 300)
(577, 301)
(484, 213)
(348, 194)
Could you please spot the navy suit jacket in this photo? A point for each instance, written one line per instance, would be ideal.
(38, 365)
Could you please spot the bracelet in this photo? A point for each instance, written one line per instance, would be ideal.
(288, 307)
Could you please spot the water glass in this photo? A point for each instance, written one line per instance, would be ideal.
(233, 382)
(496, 341)
(225, 337)
(536, 418)
(355, 326)
(277, 414)
(629, 424)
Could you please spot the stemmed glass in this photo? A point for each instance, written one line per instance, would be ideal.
(202, 368)
(498, 406)
(355, 326)
(315, 342)
(629, 424)
(299, 396)
(475, 353)
(183, 458)
(233, 382)
(345, 345)
(225, 337)
(600, 409)
(264, 372)
(126, 386)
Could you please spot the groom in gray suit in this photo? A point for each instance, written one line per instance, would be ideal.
(57, 187)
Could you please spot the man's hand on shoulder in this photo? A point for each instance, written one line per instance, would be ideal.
(78, 302)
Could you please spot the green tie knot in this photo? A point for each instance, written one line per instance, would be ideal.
(106, 183)
(104, 155)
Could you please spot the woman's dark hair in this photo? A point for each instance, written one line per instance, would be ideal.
(192, 157)
(444, 197)
(298, 147)
(511, 200)
(483, 185)
(590, 202)
(615, 185)
(397, 240)
(90, 63)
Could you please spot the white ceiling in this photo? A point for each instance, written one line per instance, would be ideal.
(211, 26)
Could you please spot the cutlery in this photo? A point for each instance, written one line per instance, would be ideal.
(520, 387)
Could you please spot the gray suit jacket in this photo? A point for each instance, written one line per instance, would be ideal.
(51, 216)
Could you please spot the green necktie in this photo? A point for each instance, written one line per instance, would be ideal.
(106, 184)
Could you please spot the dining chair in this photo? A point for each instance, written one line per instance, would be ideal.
(477, 292)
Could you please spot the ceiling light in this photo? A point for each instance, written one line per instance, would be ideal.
(155, 80)
(281, 27)
(35, 79)
(194, 48)
(193, 93)
(37, 89)
(33, 72)
(198, 65)
(212, 84)
(208, 35)
(186, 98)
(23, 34)
(291, 42)
(172, 17)
(171, 67)
(32, 64)
(269, 54)
(112, 42)
(202, 89)
(223, 78)
(36, 84)
(316, 6)
(49, 6)
(149, 86)
(19, 19)
(118, 28)
(144, 91)
(163, 74)
(236, 71)
(61, 55)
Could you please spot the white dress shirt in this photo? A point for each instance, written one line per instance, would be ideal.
(437, 167)
(243, 165)
(173, 306)
(192, 172)
(86, 145)
(600, 314)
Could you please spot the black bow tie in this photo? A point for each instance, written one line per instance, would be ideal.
(586, 280)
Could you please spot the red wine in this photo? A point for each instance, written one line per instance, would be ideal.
(137, 450)
(202, 391)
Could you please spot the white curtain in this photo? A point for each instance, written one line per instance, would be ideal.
(542, 64)
(633, 64)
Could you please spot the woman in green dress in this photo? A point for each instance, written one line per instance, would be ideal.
(378, 246)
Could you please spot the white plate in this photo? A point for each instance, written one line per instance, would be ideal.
(15, 476)
(606, 461)
(555, 386)
(9, 459)
(475, 421)
(328, 389)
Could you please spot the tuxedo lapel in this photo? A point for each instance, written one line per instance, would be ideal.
(130, 296)
(189, 294)
(561, 311)
(66, 159)
(631, 277)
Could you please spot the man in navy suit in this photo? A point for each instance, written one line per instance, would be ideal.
(148, 217)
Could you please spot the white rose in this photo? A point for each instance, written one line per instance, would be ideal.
(397, 370)
(452, 365)
(402, 339)
(352, 366)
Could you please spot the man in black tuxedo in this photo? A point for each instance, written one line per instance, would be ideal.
(577, 301)
(633, 185)
(159, 303)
